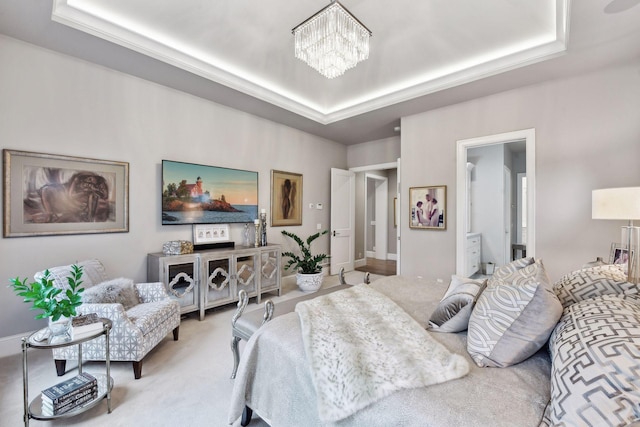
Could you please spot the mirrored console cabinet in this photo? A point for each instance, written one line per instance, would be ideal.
(210, 278)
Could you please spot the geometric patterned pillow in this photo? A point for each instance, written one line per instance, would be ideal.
(93, 272)
(591, 282)
(513, 318)
(506, 270)
(453, 312)
(595, 354)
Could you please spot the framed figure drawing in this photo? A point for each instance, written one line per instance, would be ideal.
(286, 198)
(48, 194)
(427, 207)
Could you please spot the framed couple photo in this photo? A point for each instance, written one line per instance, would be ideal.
(427, 207)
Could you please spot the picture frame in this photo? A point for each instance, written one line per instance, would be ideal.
(619, 254)
(421, 200)
(50, 194)
(286, 198)
(210, 233)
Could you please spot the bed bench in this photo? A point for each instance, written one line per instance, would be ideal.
(242, 327)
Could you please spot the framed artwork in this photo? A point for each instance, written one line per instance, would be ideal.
(49, 194)
(210, 233)
(286, 198)
(427, 207)
(619, 254)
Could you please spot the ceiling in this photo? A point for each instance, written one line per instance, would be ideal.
(424, 54)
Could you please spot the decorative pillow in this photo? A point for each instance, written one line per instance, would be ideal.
(453, 312)
(595, 356)
(506, 270)
(592, 282)
(93, 272)
(513, 318)
(113, 291)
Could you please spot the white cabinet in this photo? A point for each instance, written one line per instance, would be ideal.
(474, 252)
(210, 278)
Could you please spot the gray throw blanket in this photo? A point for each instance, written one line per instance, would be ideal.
(362, 347)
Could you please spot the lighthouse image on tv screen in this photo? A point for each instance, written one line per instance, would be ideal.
(201, 194)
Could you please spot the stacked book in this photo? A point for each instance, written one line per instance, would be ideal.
(69, 394)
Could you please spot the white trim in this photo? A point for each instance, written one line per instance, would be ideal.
(360, 262)
(529, 135)
(392, 257)
(379, 166)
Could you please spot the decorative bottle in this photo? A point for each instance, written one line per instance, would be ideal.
(256, 222)
(246, 236)
(263, 227)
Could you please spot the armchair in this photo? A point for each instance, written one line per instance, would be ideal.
(136, 329)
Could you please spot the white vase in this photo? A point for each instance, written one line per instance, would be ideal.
(309, 283)
(60, 330)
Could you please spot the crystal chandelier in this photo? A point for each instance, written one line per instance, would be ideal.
(332, 41)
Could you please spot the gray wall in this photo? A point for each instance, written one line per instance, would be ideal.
(51, 103)
(374, 152)
(587, 137)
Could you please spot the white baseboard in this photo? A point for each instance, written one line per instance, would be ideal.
(360, 262)
(392, 257)
(12, 345)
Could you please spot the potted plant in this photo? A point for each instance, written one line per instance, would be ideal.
(308, 267)
(57, 305)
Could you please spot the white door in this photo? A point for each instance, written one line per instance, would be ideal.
(343, 214)
(382, 204)
(398, 218)
(507, 215)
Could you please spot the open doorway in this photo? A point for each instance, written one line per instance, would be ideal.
(376, 222)
(489, 230)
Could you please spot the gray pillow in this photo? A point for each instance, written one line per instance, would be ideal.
(595, 360)
(112, 291)
(453, 312)
(513, 318)
(592, 282)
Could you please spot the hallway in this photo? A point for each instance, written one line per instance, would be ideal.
(378, 266)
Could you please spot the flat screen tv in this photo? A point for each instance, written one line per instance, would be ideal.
(200, 194)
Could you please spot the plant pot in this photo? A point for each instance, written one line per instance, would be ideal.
(309, 283)
(60, 330)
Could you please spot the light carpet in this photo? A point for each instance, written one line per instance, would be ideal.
(185, 382)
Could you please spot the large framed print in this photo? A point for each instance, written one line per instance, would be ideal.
(50, 194)
(427, 207)
(286, 198)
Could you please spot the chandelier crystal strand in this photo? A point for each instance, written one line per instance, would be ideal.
(332, 41)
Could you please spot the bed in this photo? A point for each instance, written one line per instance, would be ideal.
(275, 382)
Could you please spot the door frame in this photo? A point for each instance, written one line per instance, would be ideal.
(381, 205)
(384, 166)
(529, 136)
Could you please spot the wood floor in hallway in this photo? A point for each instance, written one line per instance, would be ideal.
(378, 266)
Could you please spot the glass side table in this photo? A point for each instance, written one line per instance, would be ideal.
(105, 382)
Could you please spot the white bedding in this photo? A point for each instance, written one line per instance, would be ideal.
(361, 347)
(274, 379)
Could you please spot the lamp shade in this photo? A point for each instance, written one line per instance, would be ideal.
(616, 203)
